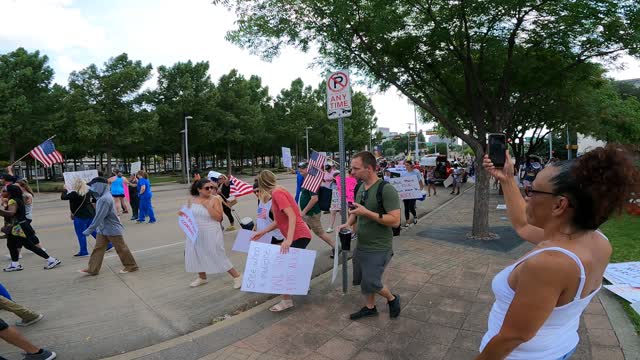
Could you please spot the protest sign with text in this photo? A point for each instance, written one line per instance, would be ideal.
(269, 272)
(286, 157)
(408, 187)
(188, 224)
(86, 176)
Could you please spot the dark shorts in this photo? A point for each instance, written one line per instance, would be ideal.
(118, 196)
(3, 325)
(301, 243)
(368, 267)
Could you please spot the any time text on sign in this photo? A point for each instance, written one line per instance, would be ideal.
(338, 95)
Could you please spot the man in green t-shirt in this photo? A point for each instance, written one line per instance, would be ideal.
(310, 210)
(375, 234)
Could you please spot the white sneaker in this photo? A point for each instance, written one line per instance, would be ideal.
(329, 230)
(51, 265)
(199, 281)
(237, 282)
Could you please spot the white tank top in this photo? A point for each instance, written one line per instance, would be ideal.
(559, 333)
(263, 220)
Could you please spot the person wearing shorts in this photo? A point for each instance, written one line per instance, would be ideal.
(374, 226)
(11, 335)
(287, 219)
(311, 212)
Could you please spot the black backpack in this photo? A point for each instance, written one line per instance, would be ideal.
(381, 210)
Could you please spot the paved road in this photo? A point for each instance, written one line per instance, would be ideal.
(94, 317)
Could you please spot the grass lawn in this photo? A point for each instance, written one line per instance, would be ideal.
(624, 234)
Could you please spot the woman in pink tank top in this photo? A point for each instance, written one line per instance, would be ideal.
(540, 298)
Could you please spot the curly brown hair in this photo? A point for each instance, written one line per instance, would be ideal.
(598, 184)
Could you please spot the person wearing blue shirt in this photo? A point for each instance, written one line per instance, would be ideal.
(299, 181)
(144, 196)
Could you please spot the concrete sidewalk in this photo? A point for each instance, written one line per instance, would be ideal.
(444, 285)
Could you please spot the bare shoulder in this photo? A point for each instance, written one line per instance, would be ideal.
(553, 267)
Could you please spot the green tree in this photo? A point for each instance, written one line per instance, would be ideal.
(25, 82)
(107, 96)
(469, 64)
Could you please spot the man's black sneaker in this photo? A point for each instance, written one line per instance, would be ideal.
(394, 306)
(364, 312)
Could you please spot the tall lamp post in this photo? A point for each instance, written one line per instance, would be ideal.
(307, 136)
(186, 146)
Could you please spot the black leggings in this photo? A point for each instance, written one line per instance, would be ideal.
(227, 211)
(409, 208)
(14, 243)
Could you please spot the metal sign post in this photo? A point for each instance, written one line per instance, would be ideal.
(339, 107)
(343, 198)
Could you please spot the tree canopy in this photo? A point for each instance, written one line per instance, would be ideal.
(472, 65)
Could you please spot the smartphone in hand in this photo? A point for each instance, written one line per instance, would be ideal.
(497, 148)
(351, 206)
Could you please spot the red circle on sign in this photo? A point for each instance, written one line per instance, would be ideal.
(338, 85)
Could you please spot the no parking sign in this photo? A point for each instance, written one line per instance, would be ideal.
(338, 95)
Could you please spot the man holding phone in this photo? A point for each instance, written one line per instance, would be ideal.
(374, 227)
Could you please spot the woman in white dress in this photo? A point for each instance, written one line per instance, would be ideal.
(207, 254)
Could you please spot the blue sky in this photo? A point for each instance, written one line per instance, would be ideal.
(75, 34)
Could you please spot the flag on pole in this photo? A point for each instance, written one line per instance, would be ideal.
(239, 187)
(47, 154)
(316, 173)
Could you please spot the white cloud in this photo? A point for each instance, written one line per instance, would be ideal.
(49, 25)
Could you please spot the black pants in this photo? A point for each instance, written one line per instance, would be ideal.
(34, 238)
(410, 208)
(227, 211)
(134, 201)
(14, 243)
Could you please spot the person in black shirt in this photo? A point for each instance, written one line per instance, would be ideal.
(133, 197)
(82, 212)
(225, 193)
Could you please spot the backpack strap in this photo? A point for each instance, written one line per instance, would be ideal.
(381, 209)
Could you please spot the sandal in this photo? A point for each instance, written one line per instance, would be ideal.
(281, 306)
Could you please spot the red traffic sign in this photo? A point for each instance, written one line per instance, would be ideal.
(338, 95)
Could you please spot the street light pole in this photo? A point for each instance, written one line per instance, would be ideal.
(307, 136)
(409, 140)
(186, 146)
(415, 119)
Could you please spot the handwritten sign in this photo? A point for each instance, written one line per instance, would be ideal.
(398, 169)
(335, 200)
(86, 176)
(243, 240)
(135, 167)
(286, 157)
(636, 306)
(627, 273)
(407, 187)
(629, 293)
(269, 272)
(187, 223)
(448, 182)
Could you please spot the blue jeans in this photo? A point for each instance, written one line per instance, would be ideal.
(146, 210)
(79, 226)
(568, 355)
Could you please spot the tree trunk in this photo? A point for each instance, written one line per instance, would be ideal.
(109, 168)
(481, 201)
(229, 167)
(102, 165)
(12, 149)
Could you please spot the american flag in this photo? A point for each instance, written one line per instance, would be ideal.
(239, 187)
(315, 176)
(47, 154)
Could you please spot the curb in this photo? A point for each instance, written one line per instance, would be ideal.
(193, 336)
(629, 340)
